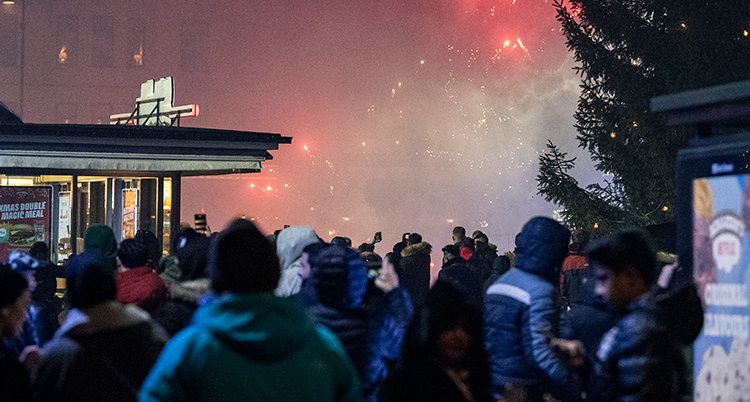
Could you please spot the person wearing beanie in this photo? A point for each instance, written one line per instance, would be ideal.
(104, 349)
(520, 308)
(15, 298)
(248, 342)
(100, 239)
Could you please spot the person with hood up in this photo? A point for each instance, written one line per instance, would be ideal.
(289, 245)
(104, 349)
(414, 269)
(521, 307)
(370, 328)
(247, 343)
(100, 239)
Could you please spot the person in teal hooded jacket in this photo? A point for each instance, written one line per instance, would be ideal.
(248, 343)
(100, 239)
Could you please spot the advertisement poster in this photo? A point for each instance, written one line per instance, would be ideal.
(721, 254)
(64, 247)
(25, 217)
(129, 212)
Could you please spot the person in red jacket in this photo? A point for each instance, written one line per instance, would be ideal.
(137, 283)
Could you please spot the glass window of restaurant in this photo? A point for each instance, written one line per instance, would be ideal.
(124, 203)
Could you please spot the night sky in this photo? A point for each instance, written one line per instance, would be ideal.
(406, 116)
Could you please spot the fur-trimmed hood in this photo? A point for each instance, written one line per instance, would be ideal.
(414, 249)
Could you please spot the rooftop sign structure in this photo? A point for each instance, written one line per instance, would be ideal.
(155, 107)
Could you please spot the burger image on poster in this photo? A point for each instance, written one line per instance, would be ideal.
(725, 377)
(22, 235)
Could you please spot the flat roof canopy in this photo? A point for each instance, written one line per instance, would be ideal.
(127, 148)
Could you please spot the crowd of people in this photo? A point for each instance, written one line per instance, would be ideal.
(240, 315)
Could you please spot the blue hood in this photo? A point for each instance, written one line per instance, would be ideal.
(338, 275)
(541, 248)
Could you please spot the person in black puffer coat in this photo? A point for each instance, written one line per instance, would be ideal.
(370, 327)
(465, 277)
(414, 269)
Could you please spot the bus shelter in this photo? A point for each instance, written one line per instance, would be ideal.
(58, 179)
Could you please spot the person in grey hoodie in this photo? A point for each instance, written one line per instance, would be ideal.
(289, 246)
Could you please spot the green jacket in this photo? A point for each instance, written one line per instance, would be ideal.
(252, 347)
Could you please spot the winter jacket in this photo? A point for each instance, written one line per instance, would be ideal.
(486, 251)
(414, 271)
(572, 279)
(641, 359)
(45, 305)
(14, 381)
(102, 354)
(176, 312)
(289, 246)
(521, 307)
(372, 331)
(466, 278)
(500, 266)
(589, 321)
(252, 345)
(142, 287)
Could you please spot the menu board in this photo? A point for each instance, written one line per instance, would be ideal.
(721, 258)
(25, 217)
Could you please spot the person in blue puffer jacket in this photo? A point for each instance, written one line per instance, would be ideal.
(370, 321)
(521, 312)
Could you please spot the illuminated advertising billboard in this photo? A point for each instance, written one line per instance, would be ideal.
(25, 217)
